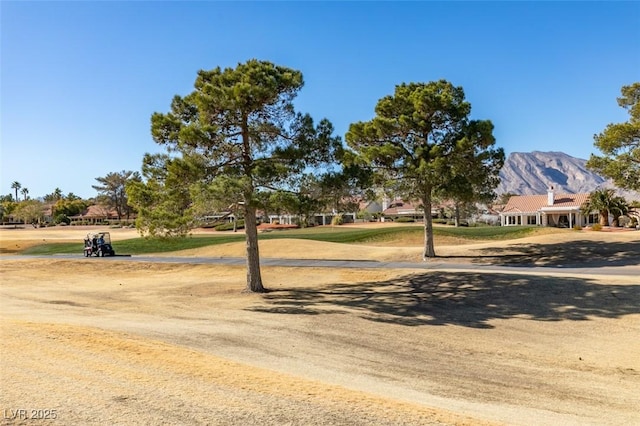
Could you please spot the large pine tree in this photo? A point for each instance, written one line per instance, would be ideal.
(236, 133)
(422, 142)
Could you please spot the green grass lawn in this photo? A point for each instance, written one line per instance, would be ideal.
(344, 235)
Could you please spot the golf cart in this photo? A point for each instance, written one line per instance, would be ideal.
(98, 244)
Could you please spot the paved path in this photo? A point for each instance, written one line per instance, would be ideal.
(627, 270)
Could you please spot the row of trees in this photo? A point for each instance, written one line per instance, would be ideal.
(30, 210)
(17, 186)
(237, 140)
(237, 137)
(111, 196)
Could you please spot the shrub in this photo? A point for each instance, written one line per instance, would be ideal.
(61, 218)
(405, 220)
(337, 220)
(596, 227)
(229, 226)
(577, 228)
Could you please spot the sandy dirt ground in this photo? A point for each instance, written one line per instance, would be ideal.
(90, 341)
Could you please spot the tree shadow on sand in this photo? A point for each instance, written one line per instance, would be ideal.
(575, 254)
(464, 299)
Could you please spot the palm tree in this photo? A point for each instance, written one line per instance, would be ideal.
(55, 196)
(604, 201)
(619, 207)
(16, 185)
(25, 193)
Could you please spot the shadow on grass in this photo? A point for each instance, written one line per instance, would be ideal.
(464, 299)
(576, 254)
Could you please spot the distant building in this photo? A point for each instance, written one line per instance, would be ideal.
(397, 209)
(97, 215)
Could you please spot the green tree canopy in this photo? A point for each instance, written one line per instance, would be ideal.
(29, 211)
(474, 173)
(69, 207)
(422, 142)
(620, 144)
(162, 200)
(112, 191)
(237, 130)
(54, 196)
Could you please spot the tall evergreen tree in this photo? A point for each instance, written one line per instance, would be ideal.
(112, 190)
(239, 130)
(422, 142)
(620, 144)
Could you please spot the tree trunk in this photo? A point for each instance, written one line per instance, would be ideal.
(254, 280)
(604, 218)
(429, 251)
(457, 214)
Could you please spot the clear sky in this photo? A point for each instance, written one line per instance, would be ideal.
(80, 80)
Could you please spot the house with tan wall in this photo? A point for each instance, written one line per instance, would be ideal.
(95, 215)
(552, 209)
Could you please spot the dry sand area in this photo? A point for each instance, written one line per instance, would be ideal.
(107, 341)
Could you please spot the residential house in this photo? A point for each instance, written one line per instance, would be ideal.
(405, 209)
(557, 210)
(95, 215)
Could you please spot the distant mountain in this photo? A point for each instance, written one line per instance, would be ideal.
(529, 173)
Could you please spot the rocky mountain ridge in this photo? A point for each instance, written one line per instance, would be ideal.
(529, 173)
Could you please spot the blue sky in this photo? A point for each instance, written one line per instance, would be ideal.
(80, 80)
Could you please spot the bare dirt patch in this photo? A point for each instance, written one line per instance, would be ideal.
(114, 342)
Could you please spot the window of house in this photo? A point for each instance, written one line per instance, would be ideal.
(513, 220)
(563, 221)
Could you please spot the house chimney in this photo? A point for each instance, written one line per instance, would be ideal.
(550, 197)
(385, 203)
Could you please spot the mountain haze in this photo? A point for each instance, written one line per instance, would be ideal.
(529, 173)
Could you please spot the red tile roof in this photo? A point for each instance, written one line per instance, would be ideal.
(534, 203)
(398, 207)
(97, 211)
(408, 208)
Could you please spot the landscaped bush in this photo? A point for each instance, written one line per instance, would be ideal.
(440, 221)
(61, 218)
(229, 226)
(577, 228)
(596, 227)
(337, 220)
(405, 220)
